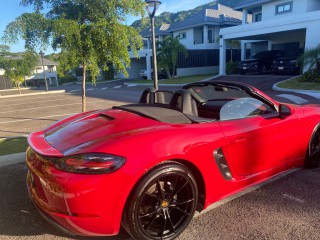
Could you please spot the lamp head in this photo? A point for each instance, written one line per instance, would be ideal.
(152, 6)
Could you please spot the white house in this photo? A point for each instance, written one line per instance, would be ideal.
(49, 70)
(143, 60)
(198, 33)
(37, 75)
(276, 24)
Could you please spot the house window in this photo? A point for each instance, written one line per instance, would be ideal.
(284, 8)
(211, 35)
(182, 35)
(257, 17)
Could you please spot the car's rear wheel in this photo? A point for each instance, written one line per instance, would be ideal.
(263, 69)
(163, 203)
(313, 154)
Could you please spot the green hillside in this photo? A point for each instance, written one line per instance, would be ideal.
(170, 18)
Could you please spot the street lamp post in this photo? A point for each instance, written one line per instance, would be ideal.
(152, 6)
(44, 71)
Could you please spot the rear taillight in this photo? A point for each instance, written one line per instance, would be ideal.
(94, 163)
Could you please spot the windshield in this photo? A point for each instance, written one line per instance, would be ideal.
(258, 55)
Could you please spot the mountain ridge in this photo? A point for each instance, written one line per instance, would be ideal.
(170, 18)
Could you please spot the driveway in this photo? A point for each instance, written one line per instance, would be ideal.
(265, 84)
(262, 82)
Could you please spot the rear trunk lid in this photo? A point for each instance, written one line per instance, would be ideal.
(102, 124)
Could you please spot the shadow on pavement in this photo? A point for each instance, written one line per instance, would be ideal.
(19, 218)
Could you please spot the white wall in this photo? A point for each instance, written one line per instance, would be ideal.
(135, 67)
(269, 9)
(259, 46)
(289, 38)
(188, 42)
(313, 5)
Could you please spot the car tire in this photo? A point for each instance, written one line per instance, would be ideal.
(313, 155)
(263, 69)
(162, 204)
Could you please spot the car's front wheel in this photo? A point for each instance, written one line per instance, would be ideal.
(313, 154)
(163, 203)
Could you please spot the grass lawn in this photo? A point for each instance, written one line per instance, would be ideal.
(176, 80)
(13, 145)
(295, 84)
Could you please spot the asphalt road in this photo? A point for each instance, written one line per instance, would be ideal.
(24, 114)
(288, 208)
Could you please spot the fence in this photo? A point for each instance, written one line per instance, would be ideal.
(5, 83)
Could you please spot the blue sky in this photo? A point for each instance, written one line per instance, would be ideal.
(11, 9)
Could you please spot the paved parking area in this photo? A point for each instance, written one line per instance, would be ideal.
(288, 208)
(22, 115)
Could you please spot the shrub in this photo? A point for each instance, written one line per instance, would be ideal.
(232, 67)
(312, 75)
(67, 78)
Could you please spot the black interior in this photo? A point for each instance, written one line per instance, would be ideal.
(192, 104)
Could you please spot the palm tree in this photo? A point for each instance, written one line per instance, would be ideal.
(170, 48)
(311, 58)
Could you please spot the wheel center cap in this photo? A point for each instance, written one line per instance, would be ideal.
(165, 204)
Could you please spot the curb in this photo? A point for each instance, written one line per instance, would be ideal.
(279, 89)
(32, 94)
(97, 83)
(168, 84)
(15, 89)
(11, 159)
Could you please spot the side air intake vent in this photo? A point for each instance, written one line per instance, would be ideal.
(222, 164)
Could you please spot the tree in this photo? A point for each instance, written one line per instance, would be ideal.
(170, 48)
(233, 44)
(17, 65)
(89, 33)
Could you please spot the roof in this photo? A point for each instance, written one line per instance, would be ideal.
(161, 30)
(219, 15)
(240, 4)
(46, 62)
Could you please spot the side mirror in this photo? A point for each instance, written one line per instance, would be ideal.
(284, 111)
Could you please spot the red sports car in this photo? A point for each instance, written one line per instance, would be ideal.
(150, 166)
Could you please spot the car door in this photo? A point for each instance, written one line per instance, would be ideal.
(255, 137)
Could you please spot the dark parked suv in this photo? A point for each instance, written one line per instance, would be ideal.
(287, 64)
(260, 62)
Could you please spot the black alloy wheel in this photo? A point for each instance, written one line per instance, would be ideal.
(313, 155)
(163, 204)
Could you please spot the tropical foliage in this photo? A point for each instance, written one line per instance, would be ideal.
(311, 61)
(170, 48)
(88, 33)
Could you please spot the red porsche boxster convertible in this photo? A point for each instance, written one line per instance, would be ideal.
(150, 166)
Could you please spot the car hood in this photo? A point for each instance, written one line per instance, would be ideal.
(100, 126)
